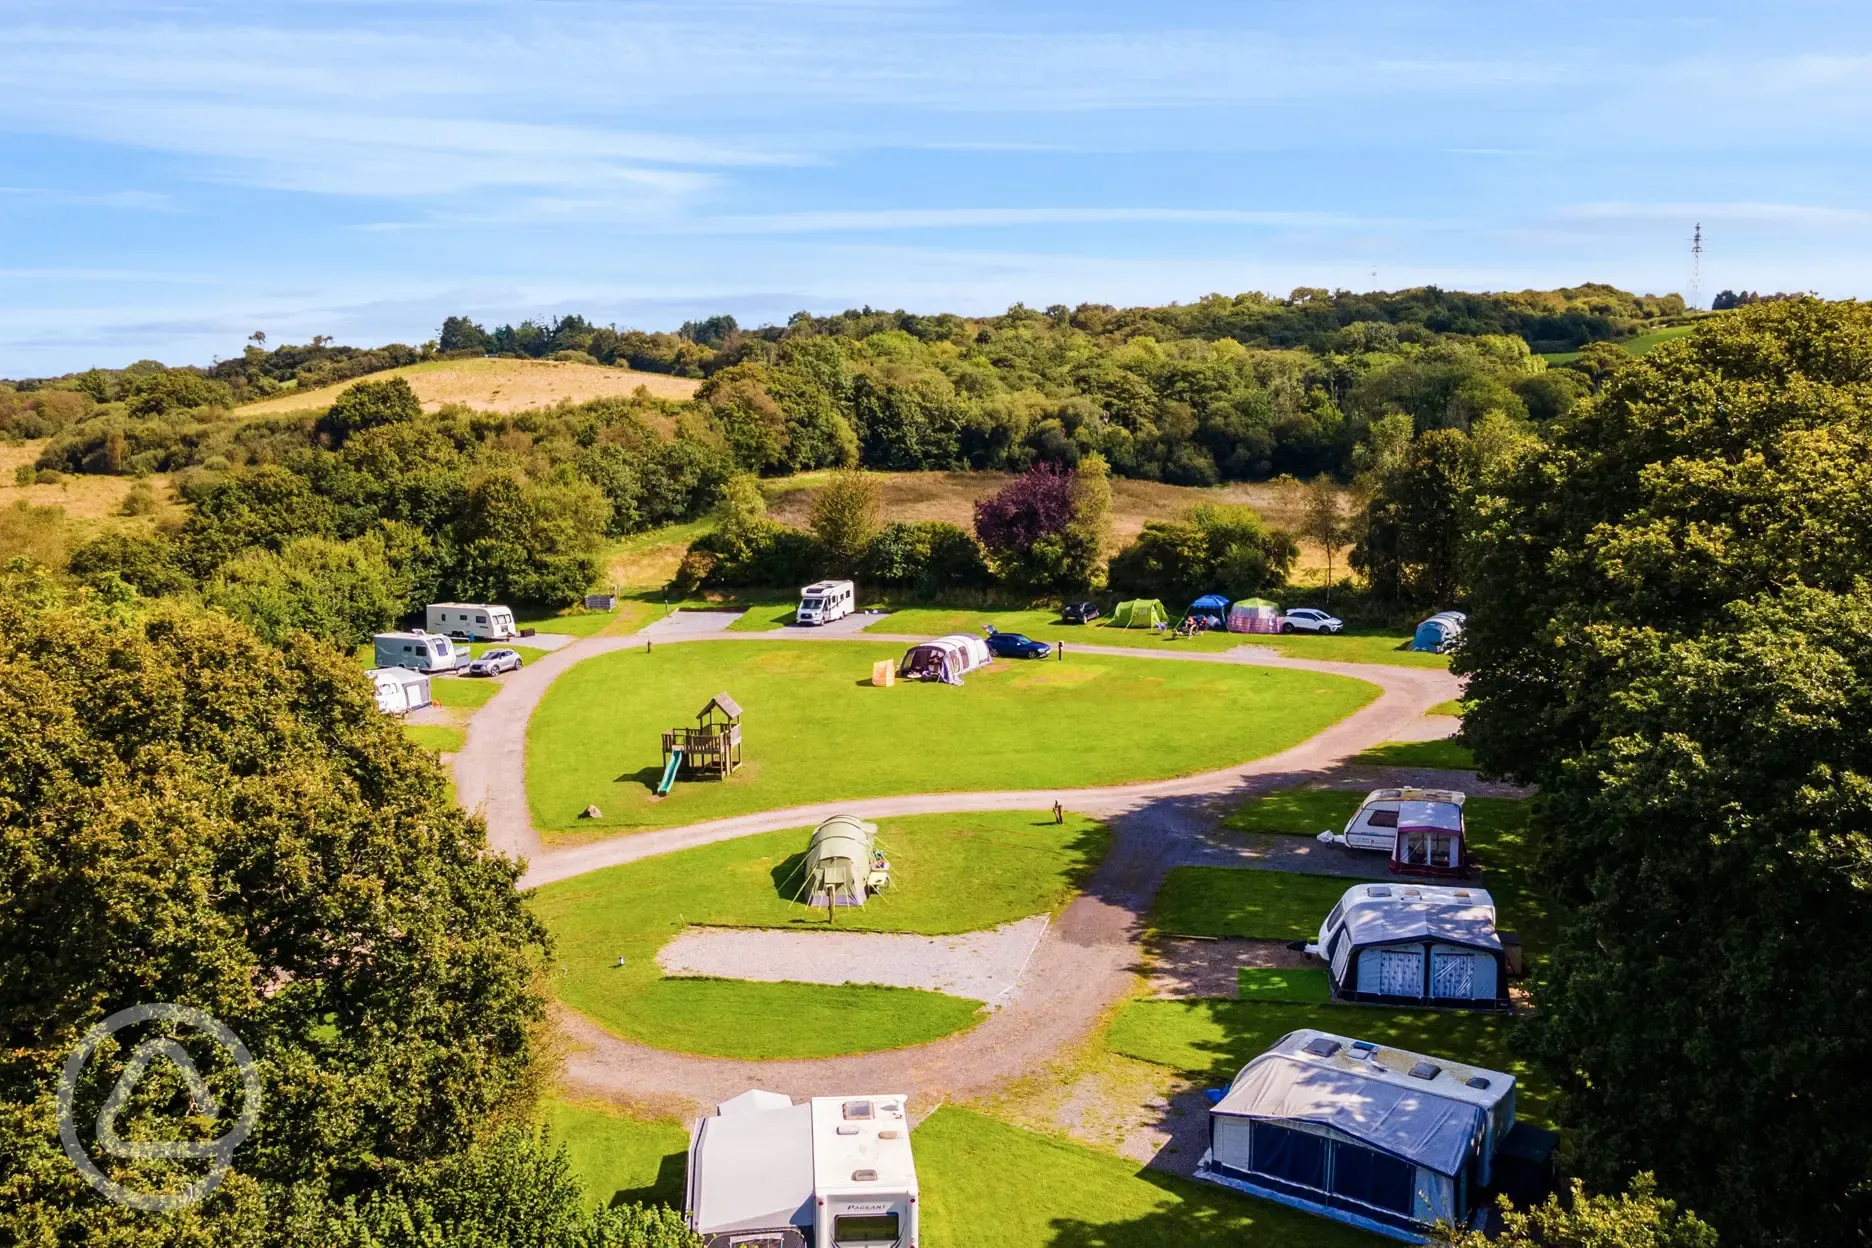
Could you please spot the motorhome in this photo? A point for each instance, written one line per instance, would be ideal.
(471, 621)
(1375, 824)
(832, 1172)
(419, 651)
(825, 601)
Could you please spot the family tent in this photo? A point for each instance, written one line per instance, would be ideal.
(1380, 1138)
(1439, 632)
(1405, 944)
(1254, 615)
(842, 860)
(1211, 609)
(945, 658)
(1139, 613)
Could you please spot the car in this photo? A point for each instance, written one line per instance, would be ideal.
(494, 662)
(1017, 646)
(1308, 620)
(1079, 613)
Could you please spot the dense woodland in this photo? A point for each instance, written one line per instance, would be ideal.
(1664, 559)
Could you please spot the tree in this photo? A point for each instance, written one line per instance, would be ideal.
(1638, 1218)
(368, 405)
(844, 518)
(191, 815)
(339, 592)
(1411, 545)
(1087, 536)
(1217, 549)
(1676, 647)
(1323, 520)
(461, 334)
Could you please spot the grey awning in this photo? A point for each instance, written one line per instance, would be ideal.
(753, 1170)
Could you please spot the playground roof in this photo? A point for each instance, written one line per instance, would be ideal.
(725, 704)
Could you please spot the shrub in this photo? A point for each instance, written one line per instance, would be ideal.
(140, 501)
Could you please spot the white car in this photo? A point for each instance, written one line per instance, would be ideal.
(1307, 620)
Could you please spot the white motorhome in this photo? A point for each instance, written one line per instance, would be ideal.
(825, 601)
(419, 651)
(471, 621)
(832, 1172)
(1375, 826)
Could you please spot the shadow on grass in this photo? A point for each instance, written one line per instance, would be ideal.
(666, 1190)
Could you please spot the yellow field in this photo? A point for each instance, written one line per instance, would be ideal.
(496, 385)
(84, 498)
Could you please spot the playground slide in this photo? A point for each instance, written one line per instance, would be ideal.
(668, 781)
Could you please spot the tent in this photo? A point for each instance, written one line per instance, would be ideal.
(945, 658)
(1212, 608)
(840, 859)
(1254, 615)
(1439, 632)
(1403, 944)
(1377, 1137)
(1139, 613)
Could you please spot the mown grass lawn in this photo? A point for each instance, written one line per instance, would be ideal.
(1210, 1040)
(620, 1157)
(950, 874)
(1245, 902)
(816, 730)
(463, 692)
(1455, 706)
(986, 1184)
(1446, 754)
(1354, 646)
(442, 738)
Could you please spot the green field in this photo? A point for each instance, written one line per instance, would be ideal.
(1446, 755)
(618, 1157)
(1016, 864)
(816, 730)
(1245, 902)
(1295, 812)
(469, 693)
(1640, 344)
(1210, 1040)
(986, 1184)
(442, 738)
(575, 621)
(1354, 646)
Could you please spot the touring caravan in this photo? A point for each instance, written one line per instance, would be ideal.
(1375, 825)
(471, 621)
(825, 601)
(399, 690)
(1412, 944)
(832, 1172)
(419, 651)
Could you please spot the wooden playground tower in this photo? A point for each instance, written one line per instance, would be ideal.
(711, 748)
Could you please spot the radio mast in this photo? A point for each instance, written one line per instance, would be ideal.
(1696, 267)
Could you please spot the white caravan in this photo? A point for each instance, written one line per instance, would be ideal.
(399, 690)
(825, 601)
(1375, 826)
(833, 1172)
(419, 651)
(471, 621)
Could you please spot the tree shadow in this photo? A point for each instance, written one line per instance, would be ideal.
(672, 1169)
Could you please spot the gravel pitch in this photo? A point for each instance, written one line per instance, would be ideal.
(979, 966)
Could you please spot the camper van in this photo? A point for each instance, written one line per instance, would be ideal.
(1375, 826)
(420, 651)
(825, 601)
(471, 621)
(832, 1172)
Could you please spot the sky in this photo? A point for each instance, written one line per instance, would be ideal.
(174, 177)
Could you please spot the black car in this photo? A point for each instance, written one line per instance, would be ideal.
(1017, 646)
(1079, 612)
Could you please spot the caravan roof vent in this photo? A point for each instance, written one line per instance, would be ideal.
(1378, 890)
(1410, 892)
(1425, 1070)
(1364, 1048)
(1320, 1046)
(848, 1130)
(856, 1111)
(1476, 1081)
(864, 1176)
(1462, 893)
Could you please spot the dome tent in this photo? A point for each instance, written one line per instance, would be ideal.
(1440, 632)
(1254, 615)
(840, 860)
(1139, 613)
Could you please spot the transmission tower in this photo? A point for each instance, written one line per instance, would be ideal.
(1696, 267)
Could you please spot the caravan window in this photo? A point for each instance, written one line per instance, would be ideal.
(1289, 1155)
(1381, 819)
(1373, 1178)
(868, 1230)
(480, 619)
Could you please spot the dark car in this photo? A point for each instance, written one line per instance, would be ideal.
(1079, 612)
(1017, 646)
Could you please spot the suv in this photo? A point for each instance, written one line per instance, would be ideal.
(1079, 612)
(1307, 620)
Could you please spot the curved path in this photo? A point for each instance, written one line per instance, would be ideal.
(1084, 966)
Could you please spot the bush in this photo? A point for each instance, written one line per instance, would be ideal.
(140, 501)
(367, 405)
(927, 559)
(1223, 550)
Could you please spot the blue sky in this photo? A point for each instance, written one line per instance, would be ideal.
(175, 176)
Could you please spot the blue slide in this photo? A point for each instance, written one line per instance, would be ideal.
(669, 774)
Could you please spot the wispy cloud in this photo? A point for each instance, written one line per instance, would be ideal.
(1812, 215)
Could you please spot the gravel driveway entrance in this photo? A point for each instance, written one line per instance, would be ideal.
(980, 966)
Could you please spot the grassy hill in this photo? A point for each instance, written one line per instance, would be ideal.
(1634, 346)
(502, 385)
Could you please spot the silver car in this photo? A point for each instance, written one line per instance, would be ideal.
(494, 662)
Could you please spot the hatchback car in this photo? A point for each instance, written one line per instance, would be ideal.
(1079, 612)
(1307, 620)
(1017, 646)
(494, 662)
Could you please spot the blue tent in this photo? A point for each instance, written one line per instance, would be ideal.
(1439, 632)
(1211, 607)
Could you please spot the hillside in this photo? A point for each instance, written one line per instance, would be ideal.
(497, 385)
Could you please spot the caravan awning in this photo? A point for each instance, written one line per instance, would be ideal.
(752, 1170)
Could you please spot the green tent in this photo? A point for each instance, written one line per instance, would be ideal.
(1139, 613)
(838, 858)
